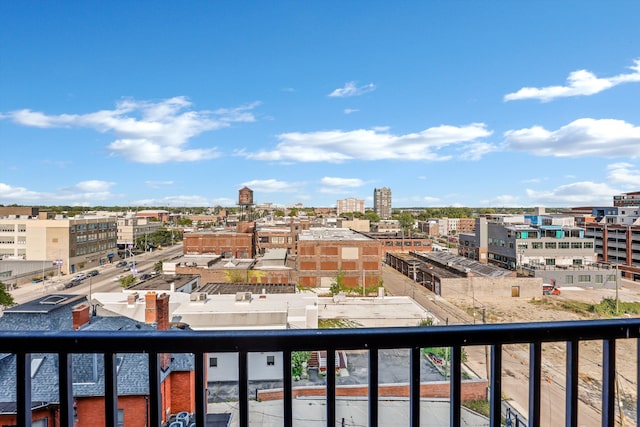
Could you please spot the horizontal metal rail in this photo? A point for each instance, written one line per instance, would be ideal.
(110, 343)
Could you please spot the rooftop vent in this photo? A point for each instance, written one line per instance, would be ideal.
(243, 296)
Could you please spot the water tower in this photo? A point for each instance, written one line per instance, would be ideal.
(245, 200)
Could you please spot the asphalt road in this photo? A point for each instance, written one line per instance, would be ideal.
(105, 281)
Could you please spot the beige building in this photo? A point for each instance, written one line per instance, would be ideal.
(132, 228)
(355, 224)
(348, 205)
(72, 243)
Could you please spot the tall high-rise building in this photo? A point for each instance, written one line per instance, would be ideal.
(382, 202)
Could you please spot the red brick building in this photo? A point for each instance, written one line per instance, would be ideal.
(324, 253)
(73, 313)
(230, 244)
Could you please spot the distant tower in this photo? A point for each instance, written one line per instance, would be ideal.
(245, 200)
(382, 202)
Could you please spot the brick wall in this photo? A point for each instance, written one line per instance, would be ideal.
(90, 411)
(51, 415)
(80, 316)
(471, 390)
(183, 396)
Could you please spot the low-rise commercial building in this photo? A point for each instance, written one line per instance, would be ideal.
(326, 254)
(71, 243)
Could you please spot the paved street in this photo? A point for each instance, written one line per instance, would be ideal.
(105, 281)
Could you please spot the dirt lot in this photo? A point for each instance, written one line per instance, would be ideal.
(516, 357)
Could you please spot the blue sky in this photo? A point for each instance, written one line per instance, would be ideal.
(448, 103)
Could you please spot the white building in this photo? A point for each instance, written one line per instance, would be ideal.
(228, 312)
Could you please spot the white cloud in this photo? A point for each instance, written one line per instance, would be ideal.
(158, 184)
(334, 185)
(350, 110)
(504, 200)
(580, 138)
(580, 82)
(181, 200)
(374, 144)
(624, 174)
(585, 193)
(147, 132)
(476, 151)
(272, 186)
(342, 182)
(83, 193)
(351, 89)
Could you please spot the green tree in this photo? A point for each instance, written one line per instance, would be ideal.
(6, 299)
(338, 284)
(127, 281)
(157, 267)
(406, 221)
(185, 222)
(372, 216)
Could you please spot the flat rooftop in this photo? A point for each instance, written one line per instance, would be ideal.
(255, 288)
(331, 234)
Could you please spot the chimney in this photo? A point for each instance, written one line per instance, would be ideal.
(132, 298)
(150, 310)
(157, 310)
(80, 316)
(162, 312)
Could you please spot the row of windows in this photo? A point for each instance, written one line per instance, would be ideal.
(557, 245)
(11, 228)
(586, 278)
(406, 243)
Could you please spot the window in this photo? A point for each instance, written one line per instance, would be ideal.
(587, 245)
(213, 362)
(563, 245)
(550, 245)
(568, 279)
(598, 278)
(536, 245)
(271, 360)
(577, 262)
(120, 422)
(576, 245)
(35, 365)
(549, 261)
(584, 278)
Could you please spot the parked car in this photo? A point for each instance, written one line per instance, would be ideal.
(93, 273)
(80, 276)
(146, 276)
(73, 282)
(121, 264)
(550, 289)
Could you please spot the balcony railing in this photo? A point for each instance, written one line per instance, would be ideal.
(64, 344)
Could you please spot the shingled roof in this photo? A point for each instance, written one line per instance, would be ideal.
(51, 314)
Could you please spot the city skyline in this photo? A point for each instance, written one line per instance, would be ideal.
(446, 103)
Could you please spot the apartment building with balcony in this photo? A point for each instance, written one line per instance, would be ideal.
(510, 242)
(72, 243)
(616, 234)
(627, 199)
